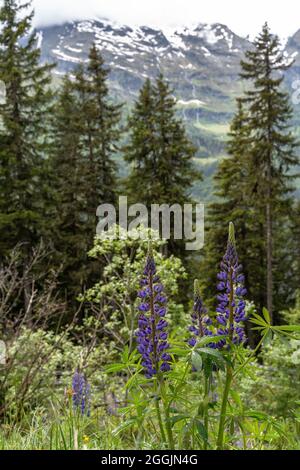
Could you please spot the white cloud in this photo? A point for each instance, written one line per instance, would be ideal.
(241, 16)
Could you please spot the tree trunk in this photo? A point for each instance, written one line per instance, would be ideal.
(269, 253)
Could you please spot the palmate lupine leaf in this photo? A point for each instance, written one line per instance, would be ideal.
(129, 361)
(263, 324)
(293, 328)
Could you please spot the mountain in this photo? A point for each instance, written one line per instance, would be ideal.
(202, 65)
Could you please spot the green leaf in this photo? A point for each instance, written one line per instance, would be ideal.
(266, 315)
(294, 328)
(125, 354)
(210, 339)
(207, 366)
(211, 352)
(267, 337)
(177, 418)
(115, 368)
(196, 360)
(259, 321)
(123, 426)
(259, 415)
(180, 352)
(131, 381)
(237, 399)
(201, 429)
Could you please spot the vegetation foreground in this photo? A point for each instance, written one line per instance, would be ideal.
(191, 384)
(116, 343)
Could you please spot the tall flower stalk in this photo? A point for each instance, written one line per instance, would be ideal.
(198, 329)
(152, 337)
(230, 315)
(81, 393)
(199, 317)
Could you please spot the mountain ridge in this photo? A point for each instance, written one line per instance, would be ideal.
(201, 63)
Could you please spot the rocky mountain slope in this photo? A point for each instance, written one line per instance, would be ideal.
(201, 63)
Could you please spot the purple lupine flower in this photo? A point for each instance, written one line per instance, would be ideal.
(81, 393)
(152, 336)
(231, 305)
(200, 319)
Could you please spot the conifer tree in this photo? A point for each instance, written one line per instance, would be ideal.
(70, 237)
(24, 131)
(100, 131)
(140, 151)
(229, 202)
(86, 140)
(159, 153)
(273, 144)
(233, 202)
(253, 185)
(294, 238)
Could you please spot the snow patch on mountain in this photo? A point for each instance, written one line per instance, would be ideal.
(193, 102)
(39, 39)
(208, 33)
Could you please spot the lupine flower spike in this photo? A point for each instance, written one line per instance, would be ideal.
(152, 336)
(200, 320)
(231, 303)
(81, 393)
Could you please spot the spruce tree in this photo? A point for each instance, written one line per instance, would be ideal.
(233, 202)
(294, 239)
(255, 182)
(87, 133)
(273, 145)
(24, 130)
(159, 152)
(100, 131)
(70, 238)
(140, 150)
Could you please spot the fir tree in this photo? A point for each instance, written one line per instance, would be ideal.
(159, 152)
(140, 151)
(233, 202)
(70, 237)
(86, 140)
(100, 131)
(253, 185)
(24, 132)
(294, 239)
(230, 201)
(273, 145)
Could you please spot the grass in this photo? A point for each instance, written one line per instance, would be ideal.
(103, 432)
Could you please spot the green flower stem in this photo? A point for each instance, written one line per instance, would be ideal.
(206, 392)
(229, 371)
(158, 414)
(253, 353)
(220, 440)
(160, 423)
(167, 415)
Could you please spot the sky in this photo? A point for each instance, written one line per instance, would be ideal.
(243, 17)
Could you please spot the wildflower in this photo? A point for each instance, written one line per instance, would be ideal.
(231, 304)
(200, 320)
(86, 439)
(152, 336)
(69, 392)
(81, 393)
